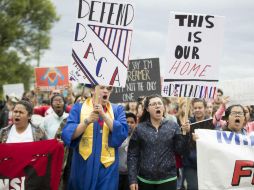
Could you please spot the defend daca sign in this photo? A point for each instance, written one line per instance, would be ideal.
(102, 42)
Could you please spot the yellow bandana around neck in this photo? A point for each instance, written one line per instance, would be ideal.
(86, 142)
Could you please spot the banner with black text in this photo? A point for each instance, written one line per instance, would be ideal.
(194, 51)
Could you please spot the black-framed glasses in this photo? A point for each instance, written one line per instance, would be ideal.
(234, 113)
(154, 104)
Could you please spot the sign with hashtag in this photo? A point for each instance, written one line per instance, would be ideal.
(195, 45)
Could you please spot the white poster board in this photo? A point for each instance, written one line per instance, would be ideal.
(194, 50)
(102, 42)
(240, 91)
(14, 89)
(225, 160)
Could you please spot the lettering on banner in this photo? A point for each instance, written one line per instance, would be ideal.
(15, 183)
(234, 138)
(243, 169)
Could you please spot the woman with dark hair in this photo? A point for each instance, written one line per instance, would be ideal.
(22, 130)
(221, 124)
(152, 147)
(235, 118)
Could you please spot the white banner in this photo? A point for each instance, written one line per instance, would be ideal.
(225, 160)
(16, 90)
(194, 51)
(102, 42)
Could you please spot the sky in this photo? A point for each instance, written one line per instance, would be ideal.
(151, 32)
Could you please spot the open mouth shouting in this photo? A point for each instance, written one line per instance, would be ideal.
(105, 97)
(158, 112)
(16, 119)
(237, 121)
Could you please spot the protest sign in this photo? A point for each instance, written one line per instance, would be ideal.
(224, 160)
(102, 42)
(143, 79)
(195, 45)
(47, 78)
(240, 91)
(14, 89)
(33, 165)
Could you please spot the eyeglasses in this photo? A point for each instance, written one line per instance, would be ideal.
(234, 113)
(153, 104)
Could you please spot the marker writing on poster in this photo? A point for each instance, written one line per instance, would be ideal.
(191, 52)
(102, 61)
(142, 78)
(116, 14)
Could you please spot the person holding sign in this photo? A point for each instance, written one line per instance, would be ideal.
(95, 130)
(190, 157)
(151, 153)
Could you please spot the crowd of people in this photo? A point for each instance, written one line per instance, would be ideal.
(142, 145)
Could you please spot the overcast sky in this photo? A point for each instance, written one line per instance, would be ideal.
(151, 28)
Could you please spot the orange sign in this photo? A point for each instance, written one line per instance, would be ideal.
(51, 77)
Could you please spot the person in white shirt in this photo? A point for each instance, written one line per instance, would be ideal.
(22, 130)
(53, 120)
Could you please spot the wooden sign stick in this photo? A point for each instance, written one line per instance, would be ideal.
(96, 94)
(186, 113)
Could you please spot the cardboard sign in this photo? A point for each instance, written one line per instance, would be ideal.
(47, 78)
(102, 42)
(195, 45)
(143, 79)
(224, 160)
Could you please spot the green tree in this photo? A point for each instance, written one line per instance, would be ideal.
(24, 24)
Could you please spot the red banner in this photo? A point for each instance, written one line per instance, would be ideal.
(32, 166)
(51, 77)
